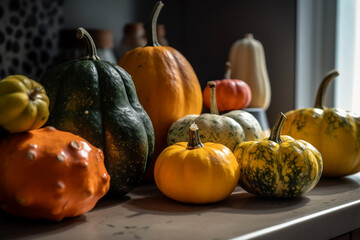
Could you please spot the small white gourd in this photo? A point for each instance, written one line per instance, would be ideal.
(248, 64)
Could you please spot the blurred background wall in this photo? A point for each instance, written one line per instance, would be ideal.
(203, 31)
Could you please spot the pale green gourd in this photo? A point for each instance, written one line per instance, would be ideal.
(229, 129)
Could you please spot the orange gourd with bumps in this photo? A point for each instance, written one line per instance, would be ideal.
(50, 174)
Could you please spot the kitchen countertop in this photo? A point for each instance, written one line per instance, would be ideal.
(329, 210)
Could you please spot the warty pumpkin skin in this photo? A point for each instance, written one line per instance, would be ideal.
(192, 172)
(24, 104)
(278, 166)
(166, 84)
(50, 174)
(231, 94)
(97, 100)
(229, 129)
(333, 131)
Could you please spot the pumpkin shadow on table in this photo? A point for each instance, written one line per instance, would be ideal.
(243, 202)
(17, 227)
(238, 202)
(146, 189)
(110, 201)
(162, 205)
(329, 186)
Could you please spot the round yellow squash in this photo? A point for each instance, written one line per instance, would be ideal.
(196, 173)
(24, 104)
(333, 131)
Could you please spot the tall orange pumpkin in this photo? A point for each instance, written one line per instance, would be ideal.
(165, 82)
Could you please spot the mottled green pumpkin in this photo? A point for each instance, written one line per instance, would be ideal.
(97, 100)
(279, 166)
(213, 128)
(229, 129)
(250, 125)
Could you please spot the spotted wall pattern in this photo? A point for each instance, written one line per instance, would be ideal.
(28, 35)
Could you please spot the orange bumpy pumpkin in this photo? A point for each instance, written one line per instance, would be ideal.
(165, 82)
(50, 174)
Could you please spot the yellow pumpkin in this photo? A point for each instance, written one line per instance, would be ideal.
(333, 131)
(165, 82)
(248, 64)
(278, 166)
(24, 104)
(193, 172)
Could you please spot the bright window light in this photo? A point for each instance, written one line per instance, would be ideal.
(356, 79)
(347, 91)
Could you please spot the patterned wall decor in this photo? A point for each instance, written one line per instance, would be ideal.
(28, 35)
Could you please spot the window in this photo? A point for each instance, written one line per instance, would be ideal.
(328, 37)
(315, 49)
(347, 90)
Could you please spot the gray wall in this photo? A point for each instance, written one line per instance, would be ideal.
(107, 14)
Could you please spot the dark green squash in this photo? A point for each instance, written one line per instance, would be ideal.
(97, 100)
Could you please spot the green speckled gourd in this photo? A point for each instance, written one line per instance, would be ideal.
(229, 129)
(251, 126)
(213, 128)
(97, 100)
(278, 166)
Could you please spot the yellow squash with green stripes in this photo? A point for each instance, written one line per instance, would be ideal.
(333, 131)
(279, 166)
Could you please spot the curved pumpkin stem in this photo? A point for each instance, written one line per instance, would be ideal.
(227, 70)
(275, 134)
(33, 93)
(320, 97)
(90, 45)
(213, 105)
(249, 36)
(152, 39)
(194, 139)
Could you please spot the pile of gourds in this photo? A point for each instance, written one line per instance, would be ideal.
(44, 173)
(51, 174)
(108, 127)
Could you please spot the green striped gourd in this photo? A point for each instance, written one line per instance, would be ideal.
(278, 166)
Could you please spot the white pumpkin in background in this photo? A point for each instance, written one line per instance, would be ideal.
(248, 64)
